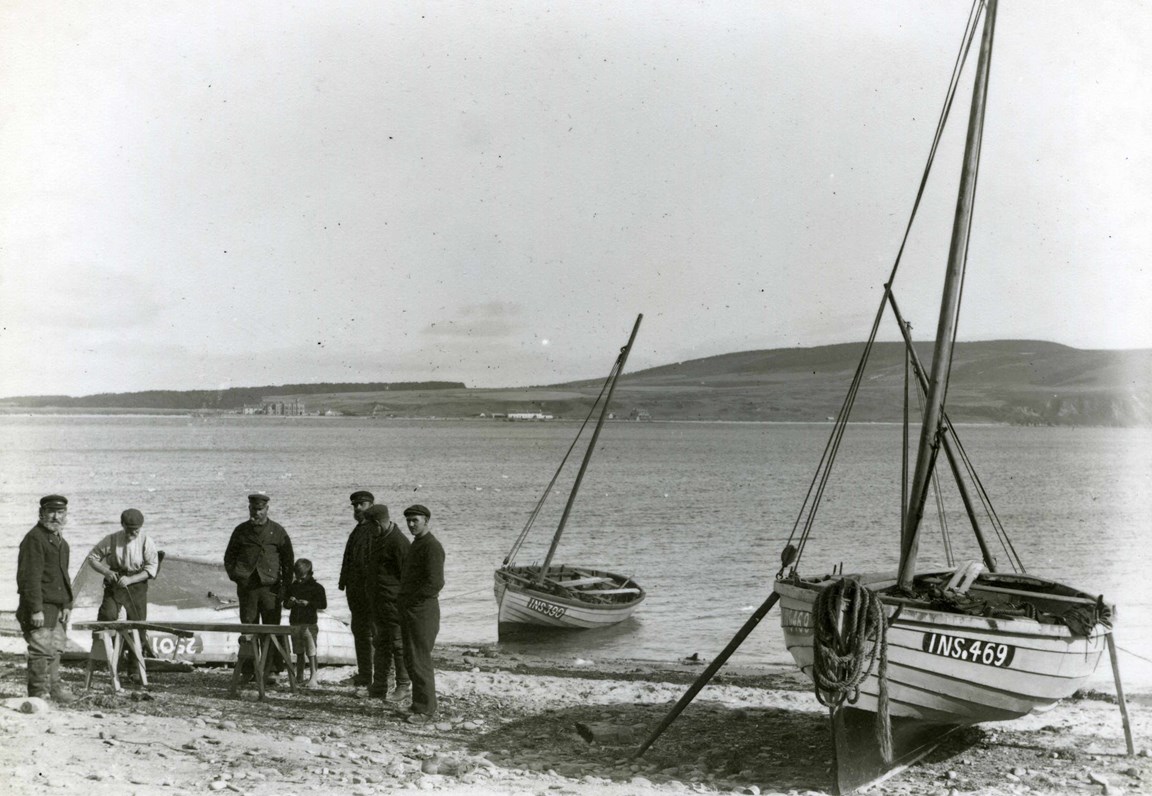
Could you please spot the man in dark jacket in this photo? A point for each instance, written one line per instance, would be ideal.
(45, 598)
(259, 561)
(387, 563)
(357, 581)
(420, 586)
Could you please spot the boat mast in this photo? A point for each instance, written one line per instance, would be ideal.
(619, 368)
(932, 429)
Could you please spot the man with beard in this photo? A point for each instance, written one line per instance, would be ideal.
(259, 561)
(45, 598)
(127, 559)
(357, 581)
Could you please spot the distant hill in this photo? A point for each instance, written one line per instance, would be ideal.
(230, 399)
(1004, 381)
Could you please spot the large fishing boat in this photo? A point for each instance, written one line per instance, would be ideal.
(964, 642)
(562, 596)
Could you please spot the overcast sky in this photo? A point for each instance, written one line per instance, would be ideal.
(206, 195)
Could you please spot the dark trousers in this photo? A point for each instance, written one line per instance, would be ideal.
(420, 623)
(134, 600)
(362, 631)
(378, 640)
(44, 647)
(388, 646)
(260, 605)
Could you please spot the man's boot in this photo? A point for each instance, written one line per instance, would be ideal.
(39, 683)
(59, 691)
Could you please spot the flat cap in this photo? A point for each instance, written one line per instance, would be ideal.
(53, 502)
(258, 497)
(377, 513)
(417, 510)
(362, 494)
(131, 518)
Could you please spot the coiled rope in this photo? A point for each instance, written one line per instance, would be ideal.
(849, 634)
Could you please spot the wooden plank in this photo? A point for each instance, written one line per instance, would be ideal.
(584, 581)
(202, 627)
(1024, 594)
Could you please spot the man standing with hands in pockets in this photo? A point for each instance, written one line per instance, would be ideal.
(259, 561)
(419, 603)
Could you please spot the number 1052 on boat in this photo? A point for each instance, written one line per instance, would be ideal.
(968, 649)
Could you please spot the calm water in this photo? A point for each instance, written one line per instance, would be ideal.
(698, 513)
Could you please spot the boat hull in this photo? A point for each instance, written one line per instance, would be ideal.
(952, 668)
(186, 590)
(522, 604)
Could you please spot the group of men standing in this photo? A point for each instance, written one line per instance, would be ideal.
(392, 587)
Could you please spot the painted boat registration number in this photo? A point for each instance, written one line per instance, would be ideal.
(548, 609)
(972, 650)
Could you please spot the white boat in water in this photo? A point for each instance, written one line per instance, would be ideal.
(955, 645)
(188, 590)
(566, 597)
(578, 598)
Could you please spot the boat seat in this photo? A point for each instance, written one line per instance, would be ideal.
(583, 582)
(963, 578)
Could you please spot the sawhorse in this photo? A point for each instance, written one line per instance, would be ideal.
(107, 645)
(254, 648)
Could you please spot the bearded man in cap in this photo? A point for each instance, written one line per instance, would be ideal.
(127, 559)
(360, 581)
(420, 586)
(259, 561)
(45, 598)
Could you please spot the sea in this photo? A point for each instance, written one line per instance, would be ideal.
(698, 513)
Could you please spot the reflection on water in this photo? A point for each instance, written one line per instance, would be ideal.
(698, 513)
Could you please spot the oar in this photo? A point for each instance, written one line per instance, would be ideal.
(703, 679)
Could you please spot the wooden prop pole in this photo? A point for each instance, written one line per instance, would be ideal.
(703, 679)
(1120, 696)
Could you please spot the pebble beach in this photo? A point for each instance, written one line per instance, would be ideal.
(511, 724)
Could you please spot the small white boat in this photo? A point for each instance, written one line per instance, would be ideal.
(577, 597)
(566, 597)
(188, 590)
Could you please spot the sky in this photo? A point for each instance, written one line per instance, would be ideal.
(202, 195)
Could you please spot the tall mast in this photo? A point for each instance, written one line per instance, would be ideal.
(931, 431)
(619, 368)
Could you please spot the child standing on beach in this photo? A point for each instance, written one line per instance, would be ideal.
(305, 598)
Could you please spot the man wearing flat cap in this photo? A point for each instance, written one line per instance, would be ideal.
(127, 559)
(370, 577)
(259, 561)
(386, 562)
(356, 582)
(420, 586)
(45, 598)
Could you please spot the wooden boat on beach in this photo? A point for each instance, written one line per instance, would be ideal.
(560, 596)
(955, 645)
(188, 590)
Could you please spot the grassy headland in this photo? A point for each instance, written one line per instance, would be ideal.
(1008, 381)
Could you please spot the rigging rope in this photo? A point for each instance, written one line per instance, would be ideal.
(805, 519)
(849, 635)
(548, 489)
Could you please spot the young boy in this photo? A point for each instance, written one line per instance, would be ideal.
(305, 598)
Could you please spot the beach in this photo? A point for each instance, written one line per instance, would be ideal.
(513, 724)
